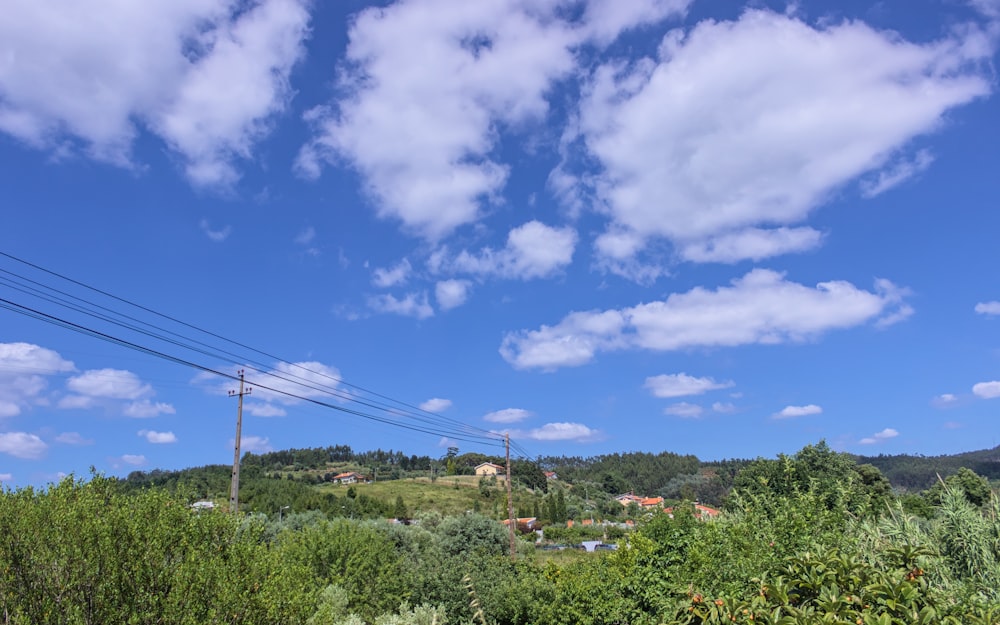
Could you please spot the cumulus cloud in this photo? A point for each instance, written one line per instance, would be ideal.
(146, 409)
(309, 379)
(682, 384)
(879, 437)
(24, 368)
(987, 390)
(762, 307)
(451, 293)
(109, 384)
(508, 415)
(684, 409)
(410, 305)
(944, 400)
(751, 123)
(254, 444)
(393, 276)
(73, 438)
(533, 250)
(563, 431)
(724, 407)
(206, 77)
(258, 409)
(22, 445)
(604, 20)
(283, 384)
(422, 128)
(436, 404)
(158, 437)
(134, 460)
(752, 243)
(988, 308)
(791, 412)
(6, 477)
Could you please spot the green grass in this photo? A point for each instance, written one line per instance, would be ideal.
(448, 495)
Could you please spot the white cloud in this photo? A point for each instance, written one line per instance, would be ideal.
(146, 409)
(307, 236)
(436, 404)
(724, 407)
(754, 123)
(73, 438)
(206, 76)
(791, 412)
(451, 293)
(988, 308)
(751, 243)
(533, 250)
(215, 234)
(309, 379)
(507, 415)
(258, 409)
(761, 307)
(903, 170)
(682, 384)
(134, 460)
(23, 371)
(944, 400)
(109, 384)
(6, 477)
(684, 409)
(989, 8)
(158, 437)
(879, 437)
(397, 275)
(76, 402)
(422, 128)
(564, 431)
(446, 442)
(22, 445)
(255, 444)
(987, 390)
(605, 20)
(411, 305)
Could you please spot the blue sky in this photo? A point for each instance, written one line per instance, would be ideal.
(727, 229)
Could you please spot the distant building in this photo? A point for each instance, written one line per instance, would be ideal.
(551, 475)
(203, 505)
(350, 477)
(488, 468)
(523, 524)
(701, 512)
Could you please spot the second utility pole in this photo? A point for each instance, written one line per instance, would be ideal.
(234, 489)
(510, 503)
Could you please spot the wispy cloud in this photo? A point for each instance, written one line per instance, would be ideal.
(791, 412)
(879, 437)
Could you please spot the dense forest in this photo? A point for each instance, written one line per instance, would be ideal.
(812, 537)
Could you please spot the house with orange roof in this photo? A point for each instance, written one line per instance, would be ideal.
(350, 477)
(701, 512)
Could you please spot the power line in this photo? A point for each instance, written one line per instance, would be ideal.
(86, 307)
(64, 323)
(297, 366)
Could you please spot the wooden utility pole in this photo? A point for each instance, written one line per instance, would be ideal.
(234, 489)
(510, 503)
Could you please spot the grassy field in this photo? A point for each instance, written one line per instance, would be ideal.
(448, 494)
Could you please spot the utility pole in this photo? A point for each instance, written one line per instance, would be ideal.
(234, 490)
(510, 502)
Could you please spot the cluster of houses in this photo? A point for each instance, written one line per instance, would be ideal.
(656, 503)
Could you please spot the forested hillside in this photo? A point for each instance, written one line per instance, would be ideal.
(812, 537)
